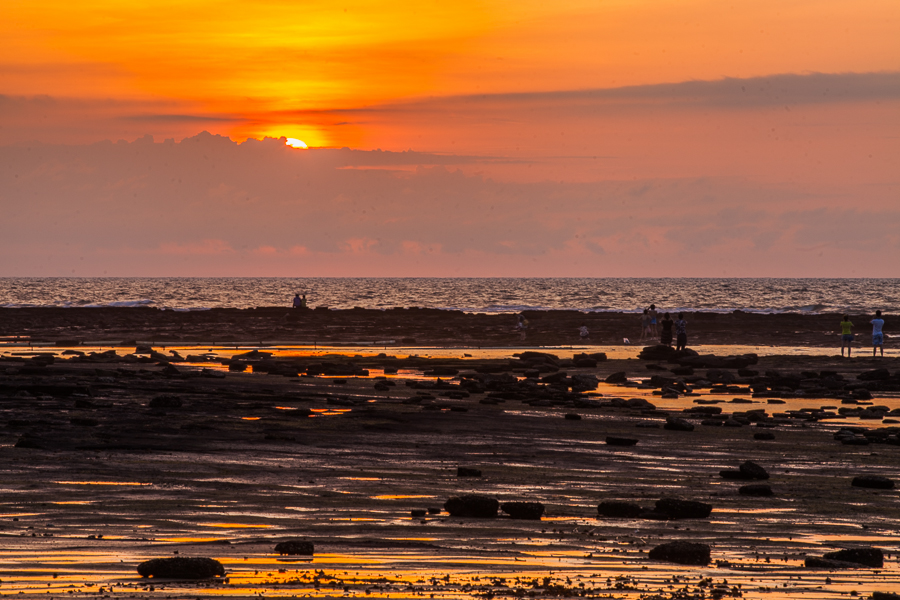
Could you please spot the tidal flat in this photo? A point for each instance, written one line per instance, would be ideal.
(113, 456)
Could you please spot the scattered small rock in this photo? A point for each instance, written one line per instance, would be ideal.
(467, 472)
(682, 553)
(295, 547)
(532, 511)
(619, 509)
(181, 567)
(875, 482)
(472, 505)
(620, 441)
(676, 508)
(676, 424)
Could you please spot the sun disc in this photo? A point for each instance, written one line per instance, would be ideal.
(295, 143)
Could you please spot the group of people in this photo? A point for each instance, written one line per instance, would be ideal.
(877, 334)
(650, 328)
(300, 302)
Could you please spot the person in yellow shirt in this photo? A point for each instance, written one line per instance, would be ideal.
(846, 336)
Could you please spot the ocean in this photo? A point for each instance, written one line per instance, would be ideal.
(488, 295)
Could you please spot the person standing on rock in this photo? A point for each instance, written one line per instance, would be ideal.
(877, 335)
(654, 317)
(666, 335)
(645, 325)
(680, 332)
(846, 335)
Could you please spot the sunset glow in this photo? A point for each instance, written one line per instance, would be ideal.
(791, 100)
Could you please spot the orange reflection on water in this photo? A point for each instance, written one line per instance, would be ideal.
(191, 540)
(138, 483)
(237, 525)
(399, 496)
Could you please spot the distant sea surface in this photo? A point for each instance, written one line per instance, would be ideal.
(488, 295)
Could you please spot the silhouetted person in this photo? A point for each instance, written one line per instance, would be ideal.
(666, 335)
(298, 301)
(877, 335)
(846, 335)
(680, 332)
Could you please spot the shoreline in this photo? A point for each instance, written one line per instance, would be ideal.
(409, 327)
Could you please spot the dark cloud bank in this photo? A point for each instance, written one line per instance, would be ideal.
(209, 206)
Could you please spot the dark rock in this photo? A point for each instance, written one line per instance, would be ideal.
(472, 505)
(682, 553)
(875, 375)
(165, 401)
(870, 557)
(572, 417)
(756, 489)
(29, 442)
(658, 352)
(467, 472)
(676, 424)
(619, 509)
(875, 482)
(618, 377)
(857, 440)
(434, 510)
(885, 596)
(532, 511)
(675, 508)
(620, 441)
(295, 547)
(84, 421)
(682, 371)
(815, 562)
(181, 568)
(640, 404)
(441, 372)
(764, 435)
(753, 470)
(418, 512)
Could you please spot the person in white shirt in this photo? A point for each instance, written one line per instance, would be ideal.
(877, 334)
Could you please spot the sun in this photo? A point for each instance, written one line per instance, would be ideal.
(295, 143)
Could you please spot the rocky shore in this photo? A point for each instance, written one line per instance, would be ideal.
(402, 327)
(537, 474)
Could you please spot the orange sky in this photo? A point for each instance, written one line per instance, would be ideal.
(576, 137)
(254, 63)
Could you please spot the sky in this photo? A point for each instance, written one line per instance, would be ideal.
(474, 138)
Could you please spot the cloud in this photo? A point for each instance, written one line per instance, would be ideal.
(209, 206)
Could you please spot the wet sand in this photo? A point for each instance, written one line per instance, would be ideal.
(103, 470)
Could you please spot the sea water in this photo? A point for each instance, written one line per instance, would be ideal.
(488, 295)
